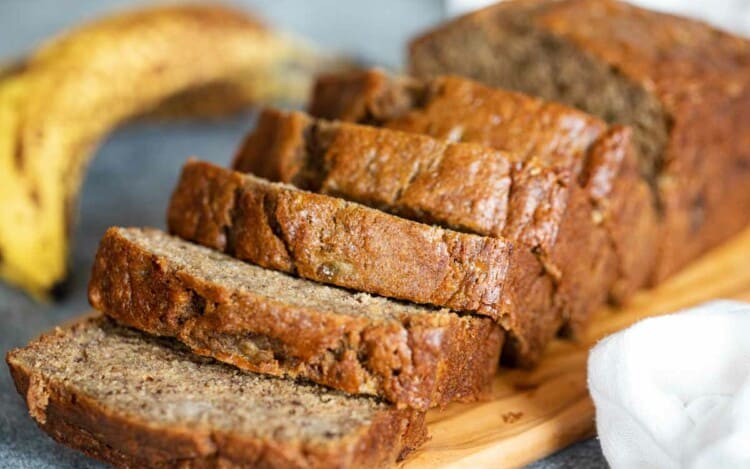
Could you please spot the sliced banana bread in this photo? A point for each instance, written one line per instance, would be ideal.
(603, 159)
(133, 400)
(270, 322)
(342, 243)
(582, 210)
(461, 186)
(683, 86)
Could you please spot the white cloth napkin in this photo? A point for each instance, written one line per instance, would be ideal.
(674, 391)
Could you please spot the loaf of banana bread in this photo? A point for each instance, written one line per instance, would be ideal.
(133, 400)
(682, 85)
(458, 109)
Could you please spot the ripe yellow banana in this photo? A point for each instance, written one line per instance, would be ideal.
(57, 106)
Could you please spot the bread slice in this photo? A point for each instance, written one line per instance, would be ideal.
(682, 85)
(137, 401)
(270, 322)
(332, 241)
(602, 158)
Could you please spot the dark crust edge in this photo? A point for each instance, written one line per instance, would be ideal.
(82, 423)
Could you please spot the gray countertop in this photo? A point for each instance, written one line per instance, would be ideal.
(131, 177)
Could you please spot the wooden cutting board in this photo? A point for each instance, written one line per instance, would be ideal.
(532, 414)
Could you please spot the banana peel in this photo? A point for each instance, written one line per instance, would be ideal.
(58, 104)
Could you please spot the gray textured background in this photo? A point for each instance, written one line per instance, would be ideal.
(131, 177)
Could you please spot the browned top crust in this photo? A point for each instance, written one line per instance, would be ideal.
(332, 241)
(136, 401)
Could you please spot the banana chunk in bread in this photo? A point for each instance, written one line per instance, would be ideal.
(270, 322)
(683, 86)
(333, 241)
(134, 400)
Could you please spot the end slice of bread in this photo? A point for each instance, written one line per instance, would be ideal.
(687, 100)
(133, 400)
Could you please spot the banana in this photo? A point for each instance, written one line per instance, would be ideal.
(58, 104)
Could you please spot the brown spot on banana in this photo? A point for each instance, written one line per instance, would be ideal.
(34, 195)
(18, 154)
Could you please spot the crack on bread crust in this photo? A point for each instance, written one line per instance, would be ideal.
(269, 203)
(232, 217)
(311, 154)
(459, 286)
(414, 173)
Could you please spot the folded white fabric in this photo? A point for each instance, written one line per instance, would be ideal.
(674, 391)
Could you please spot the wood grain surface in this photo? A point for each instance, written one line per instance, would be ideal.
(532, 414)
